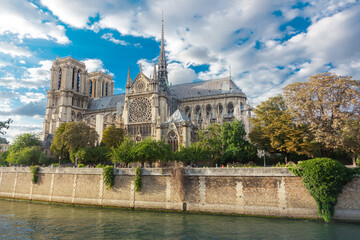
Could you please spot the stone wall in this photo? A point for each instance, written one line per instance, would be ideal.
(250, 191)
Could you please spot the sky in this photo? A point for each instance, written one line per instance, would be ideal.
(264, 44)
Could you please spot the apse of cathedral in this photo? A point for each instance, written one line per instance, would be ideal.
(150, 106)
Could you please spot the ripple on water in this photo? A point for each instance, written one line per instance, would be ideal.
(26, 220)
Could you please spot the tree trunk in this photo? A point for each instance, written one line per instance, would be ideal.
(354, 161)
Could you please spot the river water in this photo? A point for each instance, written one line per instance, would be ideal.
(27, 220)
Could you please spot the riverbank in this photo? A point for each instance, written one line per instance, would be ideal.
(273, 192)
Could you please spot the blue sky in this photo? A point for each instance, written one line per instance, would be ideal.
(268, 44)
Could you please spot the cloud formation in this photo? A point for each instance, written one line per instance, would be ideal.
(25, 20)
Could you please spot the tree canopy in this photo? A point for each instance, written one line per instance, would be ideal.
(226, 143)
(26, 150)
(112, 137)
(274, 129)
(125, 152)
(73, 136)
(149, 150)
(325, 103)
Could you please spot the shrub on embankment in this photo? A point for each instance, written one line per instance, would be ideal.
(108, 176)
(324, 178)
(34, 171)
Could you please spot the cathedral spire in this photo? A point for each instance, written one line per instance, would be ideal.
(128, 82)
(162, 65)
(155, 77)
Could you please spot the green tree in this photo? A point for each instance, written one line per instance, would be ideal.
(5, 125)
(210, 140)
(24, 140)
(324, 103)
(112, 137)
(3, 157)
(226, 143)
(191, 154)
(274, 129)
(235, 147)
(125, 152)
(149, 150)
(26, 156)
(351, 139)
(24, 150)
(71, 137)
(90, 155)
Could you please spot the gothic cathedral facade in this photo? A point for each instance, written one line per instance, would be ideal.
(150, 106)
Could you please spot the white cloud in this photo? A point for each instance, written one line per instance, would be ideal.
(93, 65)
(109, 37)
(180, 74)
(32, 97)
(13, 50)
(18, 128)
(26, 20)
(223, 33)
(32, 78)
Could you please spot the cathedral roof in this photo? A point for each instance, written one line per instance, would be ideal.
(107, 102)
(178, 116)
(205, 88)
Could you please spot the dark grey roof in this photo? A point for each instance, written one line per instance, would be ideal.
(205, 88)
(106, 102)
(178, 116)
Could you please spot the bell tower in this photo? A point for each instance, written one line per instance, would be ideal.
(68, 96)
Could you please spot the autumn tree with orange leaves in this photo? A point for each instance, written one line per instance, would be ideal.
(326, 103)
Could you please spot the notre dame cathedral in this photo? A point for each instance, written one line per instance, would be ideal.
(150, 106)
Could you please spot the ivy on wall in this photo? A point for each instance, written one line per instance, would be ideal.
(137, 180)
(324, 178)
(108, 176)
(34, 171)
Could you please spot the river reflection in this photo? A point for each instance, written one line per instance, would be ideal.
(26, 220)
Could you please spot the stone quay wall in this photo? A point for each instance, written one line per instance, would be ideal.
(272, 192)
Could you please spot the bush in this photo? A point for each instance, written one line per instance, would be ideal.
(43, 159)
(137, 180)
(3, 157)
(34, 171)
(108, 176)
(80, 165)
(324, 178)
(358, 161)
(99, 165)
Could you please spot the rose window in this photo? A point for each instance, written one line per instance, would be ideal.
(140, 110)
(140, 86)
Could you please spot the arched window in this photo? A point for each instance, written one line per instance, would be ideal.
(94, 89)
(198, 112)
(79, 116)
(173, 141)
(78, 82)
(72, 116)
(230, 108)
(107, 89)
(73, 79)
(90, 88)
(59, 81)
(220, 108)
(188, 111)
(208, 111)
